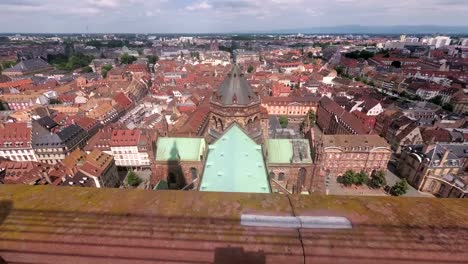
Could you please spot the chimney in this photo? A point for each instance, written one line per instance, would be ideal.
(444, 158)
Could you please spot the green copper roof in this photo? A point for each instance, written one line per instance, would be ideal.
(279, 151)
(282, 151)
(183, 149)
(235, 164)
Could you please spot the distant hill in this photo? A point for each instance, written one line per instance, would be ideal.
(401, 29)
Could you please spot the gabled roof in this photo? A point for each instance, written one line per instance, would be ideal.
(29, 65)
(235, 164)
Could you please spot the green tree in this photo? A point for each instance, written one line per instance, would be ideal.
(86, 69)
(7, 64)
(399, 188)
(152, 59)
(94, 43)
(105, 69)
(54, 101)
(250, 69)
(436, 100)
(378, 180)
(284, 121)
(339, 70)
(133, 179)
(348, 178)
(310, 55)
(448, 107)
(127, 59)
(360, 178)
(312, 117)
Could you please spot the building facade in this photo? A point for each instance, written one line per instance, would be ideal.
(340, 153)
(16, 142)
(236, 102)
(436, 169)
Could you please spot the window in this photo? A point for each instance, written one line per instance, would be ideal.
(281, 176)
(194, 173)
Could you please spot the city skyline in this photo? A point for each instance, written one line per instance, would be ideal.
(194, 16)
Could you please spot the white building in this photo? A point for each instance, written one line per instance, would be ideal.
(16, 142)
(439, 41)
(130, 148)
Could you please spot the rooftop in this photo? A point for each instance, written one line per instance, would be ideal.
(235, 164)
(235, 90)
(183, 149)
(88, 225)
(354, 141)
(288, 151)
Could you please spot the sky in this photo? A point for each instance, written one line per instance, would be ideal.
(207, 16)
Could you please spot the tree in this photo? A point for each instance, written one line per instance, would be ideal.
(396, 64)
(363, 54)
(284, 121)
(378, 180)
(105, 69)
(360, 178)
(127, 59)
(250, 69)
(311, 115)
(436, 100)
(152, 59)
(448, 107)
(348, 178)
(54, 101)
(86, 69)
(399, 188)
(310, 55)
(133, 179)
(7, 64)
(339, 70)
(94, 43)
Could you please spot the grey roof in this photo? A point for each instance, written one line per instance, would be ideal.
(47, 122)
(235, 90)
(69, 133)
(29, 65)
(44, 138)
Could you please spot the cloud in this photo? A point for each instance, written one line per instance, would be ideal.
(203, 5)
(222, 15)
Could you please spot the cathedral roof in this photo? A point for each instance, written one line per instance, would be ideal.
(235, 90)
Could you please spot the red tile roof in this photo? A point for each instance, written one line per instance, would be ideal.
(15, 84)
(121, 138)
(122, 100)
(18, 134)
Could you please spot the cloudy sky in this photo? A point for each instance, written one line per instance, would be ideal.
(190, 16)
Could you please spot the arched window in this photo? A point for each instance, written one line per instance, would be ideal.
(281, 176)
(194, 173)
(272, 175)
(215, 122)
(221, 124)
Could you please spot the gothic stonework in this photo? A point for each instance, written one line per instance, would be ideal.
(235, 101)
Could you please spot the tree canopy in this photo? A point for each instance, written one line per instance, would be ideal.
(378, 180)
(283, 120)
(133, 179)
(152, 59)
(250, 69)
(400, 188)
(127, 59)
(363, 54)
